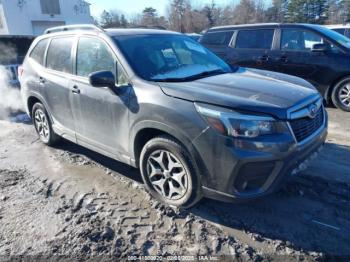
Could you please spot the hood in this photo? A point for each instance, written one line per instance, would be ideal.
(246, 89)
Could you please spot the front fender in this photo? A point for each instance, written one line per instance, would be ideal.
(151, 124)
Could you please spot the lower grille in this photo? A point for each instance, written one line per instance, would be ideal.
(306, 126)
(253, 176)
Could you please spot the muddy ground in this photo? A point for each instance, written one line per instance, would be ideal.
(68, 202)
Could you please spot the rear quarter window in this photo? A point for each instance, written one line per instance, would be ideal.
(38, 52)
(217, 38)
(339, 30)
(255, 39)
(59, 55)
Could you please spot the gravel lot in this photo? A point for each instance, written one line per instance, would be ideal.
(71, 202)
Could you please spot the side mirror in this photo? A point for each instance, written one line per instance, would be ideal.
(102, 79)
(319, 48)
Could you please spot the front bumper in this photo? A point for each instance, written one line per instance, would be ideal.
(241, 169)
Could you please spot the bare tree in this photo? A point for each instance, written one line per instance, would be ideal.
(199, 21)
(106, 19)
(135, 20)
(260, 15)
(112, 19)
(209, 10)
(183, 17)
(177, 13)
(244, 12)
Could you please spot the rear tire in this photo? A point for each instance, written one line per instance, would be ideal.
(341, 94)
(169, 173)
(43, 125)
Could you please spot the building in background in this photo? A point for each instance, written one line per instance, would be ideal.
(32, 17)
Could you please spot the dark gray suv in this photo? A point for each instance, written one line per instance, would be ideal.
(161, 102)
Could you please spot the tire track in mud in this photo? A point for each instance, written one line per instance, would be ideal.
(116, 225)
(309, 213)
(88, 217)
(141, 225)
(110, 224)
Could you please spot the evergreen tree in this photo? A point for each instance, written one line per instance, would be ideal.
(295, 11)
(149, 16)
(106, 19)
(123, 21)
(307, 11)
(277, 12)
(344, 13)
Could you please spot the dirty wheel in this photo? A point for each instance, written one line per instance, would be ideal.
(169, 173)
(43, 125)
(341, 94)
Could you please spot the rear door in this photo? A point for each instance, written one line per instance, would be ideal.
(218, 42)
(55, 81)
(100, 113)
(252, 48)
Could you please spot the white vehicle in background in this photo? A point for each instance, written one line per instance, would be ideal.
(12, 52)
(194, 36)
(343, 29)
(13, 75)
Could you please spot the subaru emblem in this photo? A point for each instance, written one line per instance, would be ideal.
(312, 111)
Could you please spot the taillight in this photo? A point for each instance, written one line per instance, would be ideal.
(20, 70)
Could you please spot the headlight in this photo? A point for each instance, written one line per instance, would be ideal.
(235, 124)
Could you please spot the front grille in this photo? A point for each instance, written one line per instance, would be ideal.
(306, 126)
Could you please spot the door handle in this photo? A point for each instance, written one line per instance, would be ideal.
(263, 58)
(76, 90)
(42, 80)
(283, 59)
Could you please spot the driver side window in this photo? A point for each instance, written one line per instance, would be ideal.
(94, 55)
(302, 40)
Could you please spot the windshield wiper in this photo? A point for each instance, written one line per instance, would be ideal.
(192, 77)
(208, 73)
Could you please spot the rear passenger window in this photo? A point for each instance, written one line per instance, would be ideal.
(255, 39)
(59, 55)
(217, 38)
(38, 52)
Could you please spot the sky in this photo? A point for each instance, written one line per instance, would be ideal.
(132, 7)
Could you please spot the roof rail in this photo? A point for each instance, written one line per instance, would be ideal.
(148, 27)
(73, 27)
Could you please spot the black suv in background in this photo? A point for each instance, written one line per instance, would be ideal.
(160, 101)
(313, 52)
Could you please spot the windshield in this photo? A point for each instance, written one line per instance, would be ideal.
(339, 38)
(168, 57)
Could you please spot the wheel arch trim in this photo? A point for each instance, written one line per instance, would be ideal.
(41, 99)
(163, 128)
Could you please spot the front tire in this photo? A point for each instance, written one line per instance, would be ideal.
(43, 125)
(169, 173)
(341, 94)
